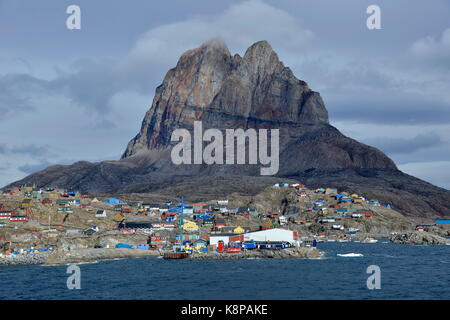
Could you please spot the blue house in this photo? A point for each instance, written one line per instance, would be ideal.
(442, 221)
(112, 201)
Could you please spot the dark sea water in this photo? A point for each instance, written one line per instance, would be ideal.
(407, 272)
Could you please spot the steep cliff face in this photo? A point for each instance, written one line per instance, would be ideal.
(208, 82)
(257, 91)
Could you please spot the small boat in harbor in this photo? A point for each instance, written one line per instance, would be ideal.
(175, 255)
(369, 240)
(350, 255)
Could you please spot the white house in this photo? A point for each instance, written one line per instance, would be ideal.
(151, 206)
(327, 220)
(100, 214)
(226, 238)
(282, 220)
(163, 209)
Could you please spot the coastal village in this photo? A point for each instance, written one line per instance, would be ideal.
(50, 225)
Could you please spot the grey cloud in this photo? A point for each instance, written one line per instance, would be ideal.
(405, 145)
(439, 152)
(31, 168)
(324, 73)
(30, 150)
(387, 107)
(16, 92)
(91, 86)
(433, 50)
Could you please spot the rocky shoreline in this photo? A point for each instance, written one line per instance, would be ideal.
(60, 257)
(419, 238)
(91, 255)
(293, 253)
(29, 259)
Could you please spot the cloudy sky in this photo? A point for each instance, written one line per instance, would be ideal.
(69, 95)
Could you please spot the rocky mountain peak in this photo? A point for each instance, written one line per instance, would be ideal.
(261, 56)
(208, 84)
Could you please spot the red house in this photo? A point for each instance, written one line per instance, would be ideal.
(6, 214)
(368, 214)
(219, 223)
(19, 219)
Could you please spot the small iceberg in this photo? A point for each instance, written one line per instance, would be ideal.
(350, 255)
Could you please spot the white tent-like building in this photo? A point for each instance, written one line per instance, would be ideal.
(272, 235)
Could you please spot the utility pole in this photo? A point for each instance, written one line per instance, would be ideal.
(181, 219)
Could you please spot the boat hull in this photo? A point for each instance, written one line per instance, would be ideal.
(175, 255)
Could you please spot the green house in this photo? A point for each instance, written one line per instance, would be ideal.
(36, 195)
(62, 202)
(255, 213)
(134, 204)
(65, 209)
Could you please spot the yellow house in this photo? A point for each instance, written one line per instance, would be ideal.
(119, 218)
(239, 230)
(190, 226)
(27, 203)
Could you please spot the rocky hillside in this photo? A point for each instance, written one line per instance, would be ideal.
(226, 91)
